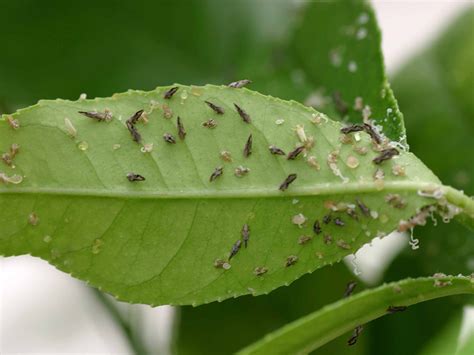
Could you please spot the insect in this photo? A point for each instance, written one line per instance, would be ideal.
(8, 157)
(352, 213)
(372, 133)
(294, 153)
(181, 131)
(343, 245)
(396, 309)
(239, 84)
(131, 126)
(259, 271)
(290, 178)
(327, 239)
(275, 150)
(169, 94)
(353, 128)
(235, 249)
(327, 218)
(98, 116)
(355, 335)
(15, 124)
(132, 177)
(338, 222)
(291, 260)
(216, 173)
(245, 234)
(169, 138)
(226, 156)
(350, 288)
(385, 154)
(241, 171)
(209, 123)
(317, 227)
(339, 103)
(248, 146)
(217, 109)
(245, 116)
(304, 239)
(396, 201)
(365, 210)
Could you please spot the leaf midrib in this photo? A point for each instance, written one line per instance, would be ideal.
(313, 190)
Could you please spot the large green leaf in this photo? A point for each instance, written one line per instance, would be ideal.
(316, 329)
(156, 241)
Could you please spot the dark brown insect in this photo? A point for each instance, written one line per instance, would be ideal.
(385, 154)
(216, 173)
(317, 227)
(327, 239)
(291, 260)
(169, 138)
(209, 123)
(135, 177)
(350, 288)
(355, 335)
(339, 103)
(135, 117)
(365, 210)
(294, 153)
(217, 109)
(235, 249)
(248, 146)
(372, 133)
(276, 151)
(169, 94)
(239, 84)
(396, 309)
(181, 130)
(134, 132)
(245, 116)
(353, 128)
(339, 222)
(245, 234)
(327, 218)
(98, 116)
(290, 178)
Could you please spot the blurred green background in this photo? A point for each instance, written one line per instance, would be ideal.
(56, 49)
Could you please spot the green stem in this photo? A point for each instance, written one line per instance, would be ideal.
(134, 342)
(316, 329)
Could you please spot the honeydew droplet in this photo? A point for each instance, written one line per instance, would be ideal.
(352, 162)
(47, 239)
(83, 146)
(96, 246)
(70, 129)
(299, 220)
(361, 33)
(280, 121)
(83, 96)
(147, 148)
(226, 266)
(184, 96)
(352, 66)
(116, 146)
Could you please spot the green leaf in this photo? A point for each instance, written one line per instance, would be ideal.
(423, 90)
(156, 241)
(316, 329)
(336, 47)
(253, 317)
(446, 340)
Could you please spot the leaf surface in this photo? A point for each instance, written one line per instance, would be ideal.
(156, 241)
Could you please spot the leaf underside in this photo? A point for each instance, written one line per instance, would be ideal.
(156, 241)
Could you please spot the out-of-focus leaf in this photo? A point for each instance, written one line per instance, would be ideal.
(446, 340)
(428, 90)
(336, 48)
(61, 49)
(310, 332)
(237, 323)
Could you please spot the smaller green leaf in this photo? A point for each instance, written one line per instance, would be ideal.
(316, 329)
